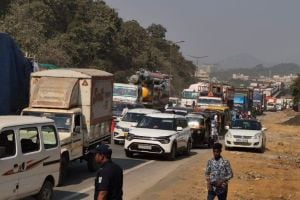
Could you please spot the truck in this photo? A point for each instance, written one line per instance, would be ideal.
(126, 93)
(243, 99)
(15, 70)
(258, 101)
(153, 88)
(80, 103)
(192, 94)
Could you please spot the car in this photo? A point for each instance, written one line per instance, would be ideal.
(179, 110)
(117, 109)
(246, 133)
(130, 119)
(159, 133)
(271, 107)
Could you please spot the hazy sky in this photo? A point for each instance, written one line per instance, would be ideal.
(266, 29)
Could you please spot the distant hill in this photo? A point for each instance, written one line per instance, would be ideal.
(242, 60)
(259, 70)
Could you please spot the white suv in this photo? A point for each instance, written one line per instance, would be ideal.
(159, 133)
(129, 120)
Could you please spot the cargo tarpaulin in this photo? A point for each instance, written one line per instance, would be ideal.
(15, 72)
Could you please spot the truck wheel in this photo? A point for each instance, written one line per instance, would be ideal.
(63, 169)
(91, 163)
(128, 154)
(46, 191)
(172, 155)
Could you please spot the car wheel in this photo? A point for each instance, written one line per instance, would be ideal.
(63, 169)
(128, 154)
(262, 148)
(172, 155)
(116, 142)
(227, 148)
(91, 163)
(46, 191)
(188, 148)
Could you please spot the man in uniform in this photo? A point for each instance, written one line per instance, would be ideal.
(218, 173)
(109, 179)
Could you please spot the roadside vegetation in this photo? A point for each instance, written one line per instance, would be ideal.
(80, 33)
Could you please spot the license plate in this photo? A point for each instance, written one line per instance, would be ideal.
(142, 146)
(125, 134)
(241, 140)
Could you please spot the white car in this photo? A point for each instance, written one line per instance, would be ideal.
(246, 134)
(159, 133)
(129, 120)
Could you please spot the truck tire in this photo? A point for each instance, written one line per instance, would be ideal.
(128, 154)
(91, 163)
(46, 191)
(64, 162)
(172, 155)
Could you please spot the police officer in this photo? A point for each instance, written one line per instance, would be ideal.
(109, 179)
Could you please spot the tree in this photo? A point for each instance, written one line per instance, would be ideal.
(157, 31)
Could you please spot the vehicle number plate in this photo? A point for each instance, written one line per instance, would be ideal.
(125, 134)
(241, 140)
(143, 146)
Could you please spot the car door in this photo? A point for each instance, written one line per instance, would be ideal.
(186, 132)
(31, 161)
(180, 134)
(77, 137)
(9, 181)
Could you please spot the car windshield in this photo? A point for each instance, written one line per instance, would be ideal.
(124, 91)
(195, 119)
(209, 101)
(133, 117)
(62, 121)
(157, 123)
(189, 95)
(246, 124)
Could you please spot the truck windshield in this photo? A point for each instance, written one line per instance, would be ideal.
(125, 91)
(189, 95)
(157, 123)
(246, 124)
(195, 119)
(209, 101)
(133, 117)
(62, 121)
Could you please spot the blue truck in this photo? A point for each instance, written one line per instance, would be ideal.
(15, 72)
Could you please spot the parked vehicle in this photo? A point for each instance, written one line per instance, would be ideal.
(29, 157)
(200, 124)
(159, 133)
(129, 120)
(246, 134)
(118, 109)
(80, 103)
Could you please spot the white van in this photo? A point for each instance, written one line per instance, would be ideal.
(29, 157)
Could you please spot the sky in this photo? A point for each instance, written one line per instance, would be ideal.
(266, 29)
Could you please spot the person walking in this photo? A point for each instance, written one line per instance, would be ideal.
(109, 179)
(218, 173)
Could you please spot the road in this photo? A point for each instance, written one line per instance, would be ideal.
(140, 174)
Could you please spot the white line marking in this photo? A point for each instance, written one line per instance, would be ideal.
(92, 186)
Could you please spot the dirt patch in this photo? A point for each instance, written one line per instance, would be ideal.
(273, 175)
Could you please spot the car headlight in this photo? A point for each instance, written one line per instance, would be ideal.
(164, 140)
(229, 134)
(130, 137)
(256, 136)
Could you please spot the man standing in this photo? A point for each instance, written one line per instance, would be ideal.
(109, 179)
(218, 173)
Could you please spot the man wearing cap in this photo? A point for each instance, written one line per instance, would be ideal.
(109, 179)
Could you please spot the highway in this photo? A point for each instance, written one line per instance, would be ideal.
(140, 173)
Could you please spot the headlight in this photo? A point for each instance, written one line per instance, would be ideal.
(130, 137)
(164, 140)
(256, 136)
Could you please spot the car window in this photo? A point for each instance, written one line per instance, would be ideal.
(157, 123)
(133, 117)
(49, 137)
(30, 140)
(246, 124)
(7, 144)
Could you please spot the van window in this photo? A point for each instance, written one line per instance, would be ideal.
(49, 137)
(30, 140)
(7, 144)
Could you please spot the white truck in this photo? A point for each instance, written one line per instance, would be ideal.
(191, 94)
(80, 103)
(126, 93)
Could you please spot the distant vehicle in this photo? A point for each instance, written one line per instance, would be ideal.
(204, 101)
(246, 134)
(129, 120)
(175, 101)
(179, 110)
(279, 107)
(126, 93)
(117, 109)
(200, 128)
(271, 107)
(188, 97)
(29, 157)
(159, 133)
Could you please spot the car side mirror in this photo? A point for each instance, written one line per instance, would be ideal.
(226, 127)
(179, 128)
(264, 129)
